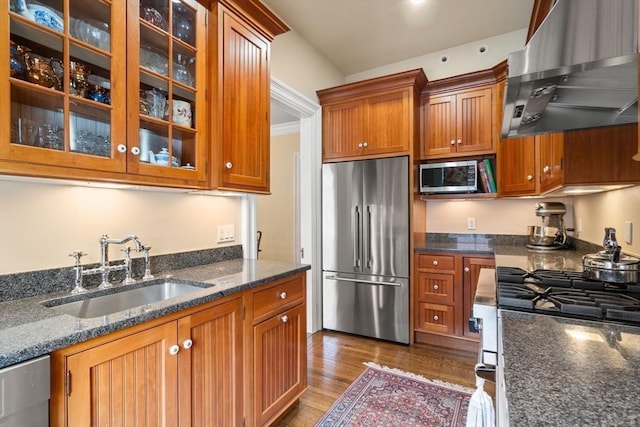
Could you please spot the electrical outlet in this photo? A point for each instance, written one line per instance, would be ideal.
(471, 223)
(226, 233)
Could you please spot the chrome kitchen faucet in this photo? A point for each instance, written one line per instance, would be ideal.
(104, 269)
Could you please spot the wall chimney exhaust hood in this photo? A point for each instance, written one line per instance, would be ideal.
(579, 70)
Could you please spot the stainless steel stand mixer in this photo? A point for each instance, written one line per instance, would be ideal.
(551, 234)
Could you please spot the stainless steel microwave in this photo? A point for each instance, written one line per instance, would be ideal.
(449, 177)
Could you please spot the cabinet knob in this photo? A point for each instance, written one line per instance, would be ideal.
(466, 269)
(360, 145)
(364, 144)
(228, 165)
(452, 142)
(546, 169)
(436, 287)
(436, 317)
(284, 318)
(135, 150)
(529, 177)
(122, 148)
(187, 344)
(435, 262)
(174, 349)
(459, 142)
(283, 295)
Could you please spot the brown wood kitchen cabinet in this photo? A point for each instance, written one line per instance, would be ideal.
(371, 118)
(84, 117)
(548, 162)
(279, 348)
(171, 373)
(245, 29)
(445, 288)
(458, 123)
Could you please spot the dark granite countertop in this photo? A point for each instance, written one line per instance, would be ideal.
(558, 371)
(28, 329)
(568, 372)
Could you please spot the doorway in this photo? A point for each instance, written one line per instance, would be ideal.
(307, 184)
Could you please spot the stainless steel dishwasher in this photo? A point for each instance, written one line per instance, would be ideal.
(25, 389)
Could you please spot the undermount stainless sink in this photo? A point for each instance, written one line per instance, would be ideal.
(121, 299)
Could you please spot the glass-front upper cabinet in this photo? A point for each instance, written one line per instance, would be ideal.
(167, 110)
(65, 84)
(96, 87)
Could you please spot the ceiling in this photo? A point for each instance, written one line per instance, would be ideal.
(358, 35)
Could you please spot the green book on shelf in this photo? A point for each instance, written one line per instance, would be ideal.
(490, 175)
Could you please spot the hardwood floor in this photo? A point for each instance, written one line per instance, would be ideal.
(335, 360)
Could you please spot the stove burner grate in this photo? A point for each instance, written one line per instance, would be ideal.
(567, 293)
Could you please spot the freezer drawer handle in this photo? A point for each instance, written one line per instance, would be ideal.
(369, 282)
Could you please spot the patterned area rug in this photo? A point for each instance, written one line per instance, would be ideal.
(382, 396)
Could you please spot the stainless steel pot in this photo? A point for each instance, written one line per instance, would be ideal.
(603, 266)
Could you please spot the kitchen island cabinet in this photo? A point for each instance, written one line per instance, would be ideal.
(444, 296)
(372, 118)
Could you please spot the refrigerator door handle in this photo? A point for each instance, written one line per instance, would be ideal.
(369, 282)
(356, 243)
(369, 260)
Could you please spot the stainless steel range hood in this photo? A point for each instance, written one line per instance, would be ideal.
(579, 70)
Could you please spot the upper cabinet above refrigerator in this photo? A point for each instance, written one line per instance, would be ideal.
(372, 118)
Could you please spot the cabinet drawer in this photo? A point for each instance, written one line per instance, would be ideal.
(435, 288)
(275, 298)
(436, 318)
(436, 262)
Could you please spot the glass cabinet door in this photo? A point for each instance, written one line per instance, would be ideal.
(167, 109)
(66, 83)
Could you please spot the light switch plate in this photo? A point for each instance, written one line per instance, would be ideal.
(226, 233)
(628, 232)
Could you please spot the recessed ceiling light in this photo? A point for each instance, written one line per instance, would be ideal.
(417, 1)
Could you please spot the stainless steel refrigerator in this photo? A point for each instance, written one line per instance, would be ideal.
(365, 248)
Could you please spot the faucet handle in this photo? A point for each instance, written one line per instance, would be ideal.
(77, 255)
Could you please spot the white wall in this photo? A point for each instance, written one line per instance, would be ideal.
(610, 209)
(493, 216)
(40, 224)
(276, 212)
(301, 66)
(461, 59)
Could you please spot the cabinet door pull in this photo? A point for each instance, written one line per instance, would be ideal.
(187, 344)
(466, 269)
(452, 142)
(459, 142)
(360, 145)
(436, 287)
(122, 148)
(283, 295)
(135, 150)
(228, 165)
(435, 262)
(436, 318)
(364, 144)
(284, 318)
(174, 349)
(529, 177)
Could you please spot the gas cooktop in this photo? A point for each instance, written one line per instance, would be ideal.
(569, 294)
